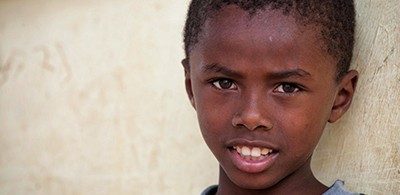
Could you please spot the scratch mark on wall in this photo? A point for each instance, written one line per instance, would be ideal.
(66, 65)
(5, 68)
(381, 39)
(46, 57)
(386, 31)
(390, 54)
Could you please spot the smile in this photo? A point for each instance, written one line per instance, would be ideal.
(252, 153)
(250, 158)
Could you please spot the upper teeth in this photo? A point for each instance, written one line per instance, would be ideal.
(253, 152)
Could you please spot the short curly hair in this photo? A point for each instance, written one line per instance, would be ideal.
(336, 19)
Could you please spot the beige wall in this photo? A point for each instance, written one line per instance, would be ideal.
(364, 147)
(92, 102)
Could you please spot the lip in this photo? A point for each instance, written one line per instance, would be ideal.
(252, 143)
(251, 166)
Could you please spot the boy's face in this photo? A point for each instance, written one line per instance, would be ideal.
(263, 90)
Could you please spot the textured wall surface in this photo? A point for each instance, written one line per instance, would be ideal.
(92, 102)
(363, 148)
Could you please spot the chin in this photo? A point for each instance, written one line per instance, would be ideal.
(254, 182)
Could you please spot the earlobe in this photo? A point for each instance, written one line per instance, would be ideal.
(344, 96)
(188, 81)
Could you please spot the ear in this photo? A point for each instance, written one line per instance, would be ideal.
(188, 81)
(344, 96)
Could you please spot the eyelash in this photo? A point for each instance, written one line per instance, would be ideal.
(217, 84)
(278, 89)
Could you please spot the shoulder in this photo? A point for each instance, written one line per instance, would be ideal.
(211, 190)
(338, 189)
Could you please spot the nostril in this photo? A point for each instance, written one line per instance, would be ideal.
(262, 127)
(251, 123)
(255, 127)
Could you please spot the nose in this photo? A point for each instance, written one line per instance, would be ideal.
(253, 113)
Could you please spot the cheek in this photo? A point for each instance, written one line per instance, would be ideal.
(213, 118)
(302, 128)
(213, 113)
(300, 141)
(214, 126)
(213, 109)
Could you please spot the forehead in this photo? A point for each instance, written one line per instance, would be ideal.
(234, 22)
(231, 21)
(263, 36)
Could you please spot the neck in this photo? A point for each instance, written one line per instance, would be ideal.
(302, 181)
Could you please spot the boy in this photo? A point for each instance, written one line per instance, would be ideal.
(264, 78)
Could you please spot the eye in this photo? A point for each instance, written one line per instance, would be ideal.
(225, 84)
(287, 88)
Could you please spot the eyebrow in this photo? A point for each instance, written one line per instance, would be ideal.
(220, 69)
(290, 73)
(298, 72)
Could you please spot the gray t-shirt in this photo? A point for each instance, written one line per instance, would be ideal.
(336, 189)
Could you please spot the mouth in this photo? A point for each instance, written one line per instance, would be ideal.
(252, 159)
(252, 153)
